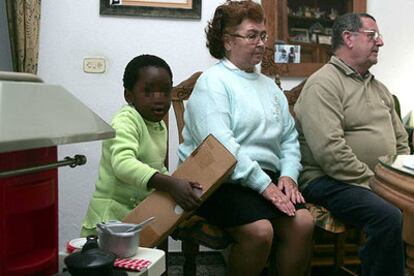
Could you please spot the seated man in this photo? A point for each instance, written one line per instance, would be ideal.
(346, 120)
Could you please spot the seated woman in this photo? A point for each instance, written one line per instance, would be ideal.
(249, 114)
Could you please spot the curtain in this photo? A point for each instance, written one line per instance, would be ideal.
(24, 21)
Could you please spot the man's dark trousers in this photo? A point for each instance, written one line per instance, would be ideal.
(382, 254)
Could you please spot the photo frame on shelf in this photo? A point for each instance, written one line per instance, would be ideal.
(299, 35)
(325, 39)
(321, 39)
(287, 53)
(181, 9)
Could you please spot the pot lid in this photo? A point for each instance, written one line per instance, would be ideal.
(90, 259)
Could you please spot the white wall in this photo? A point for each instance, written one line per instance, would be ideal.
(72, 30)
(396, 59)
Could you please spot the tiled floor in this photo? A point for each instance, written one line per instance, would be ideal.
(213, 264)
(208, 264)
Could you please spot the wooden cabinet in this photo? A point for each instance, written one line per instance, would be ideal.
(304, 24)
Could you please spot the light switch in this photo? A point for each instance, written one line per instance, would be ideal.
(94, 65)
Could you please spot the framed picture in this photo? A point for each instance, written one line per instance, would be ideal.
(325, 39)
(286, 53)
(186, 9)
(299, 35)
(321, 39)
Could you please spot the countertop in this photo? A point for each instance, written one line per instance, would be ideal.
(35, 115)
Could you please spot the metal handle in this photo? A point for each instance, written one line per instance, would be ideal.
(77, 160)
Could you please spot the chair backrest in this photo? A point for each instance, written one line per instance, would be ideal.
(179, 94)
(293, 94)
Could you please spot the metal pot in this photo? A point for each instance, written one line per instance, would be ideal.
(122, 239)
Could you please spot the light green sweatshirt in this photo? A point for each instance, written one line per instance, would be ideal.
(128, 162)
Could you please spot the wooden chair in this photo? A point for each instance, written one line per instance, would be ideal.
(189, 232)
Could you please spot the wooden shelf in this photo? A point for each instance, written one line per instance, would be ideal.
(278, 22)
(322, 20)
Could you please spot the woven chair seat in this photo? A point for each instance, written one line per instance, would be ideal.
(324, 219)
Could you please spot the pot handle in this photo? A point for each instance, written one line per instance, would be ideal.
(91, 243)
(103, 228)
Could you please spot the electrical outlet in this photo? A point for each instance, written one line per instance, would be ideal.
(94, 65)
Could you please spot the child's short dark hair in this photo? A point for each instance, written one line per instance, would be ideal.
(131, 73)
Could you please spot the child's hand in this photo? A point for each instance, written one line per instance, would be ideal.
(184, 192)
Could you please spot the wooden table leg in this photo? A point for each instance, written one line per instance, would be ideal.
(408, 237)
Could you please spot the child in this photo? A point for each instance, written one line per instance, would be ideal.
(132, 163)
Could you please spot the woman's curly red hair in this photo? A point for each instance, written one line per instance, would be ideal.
(226, 19)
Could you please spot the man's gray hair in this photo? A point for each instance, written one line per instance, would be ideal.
(347, 22)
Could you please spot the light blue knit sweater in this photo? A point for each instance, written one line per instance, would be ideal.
(249, 114)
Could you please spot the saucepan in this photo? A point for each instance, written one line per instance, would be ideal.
(120, 238)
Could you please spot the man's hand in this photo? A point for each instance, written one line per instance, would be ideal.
(279, 199)
(290, 189)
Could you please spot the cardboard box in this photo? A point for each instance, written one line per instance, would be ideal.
(210, 165)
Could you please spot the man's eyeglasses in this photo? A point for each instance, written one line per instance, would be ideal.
(253, 37)
(371, 34)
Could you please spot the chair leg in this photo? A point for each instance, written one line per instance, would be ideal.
(308, 270)
(339, 252)
(190, 251)
(164, 246)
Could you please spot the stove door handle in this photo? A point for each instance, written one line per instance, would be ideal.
(77, 160)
